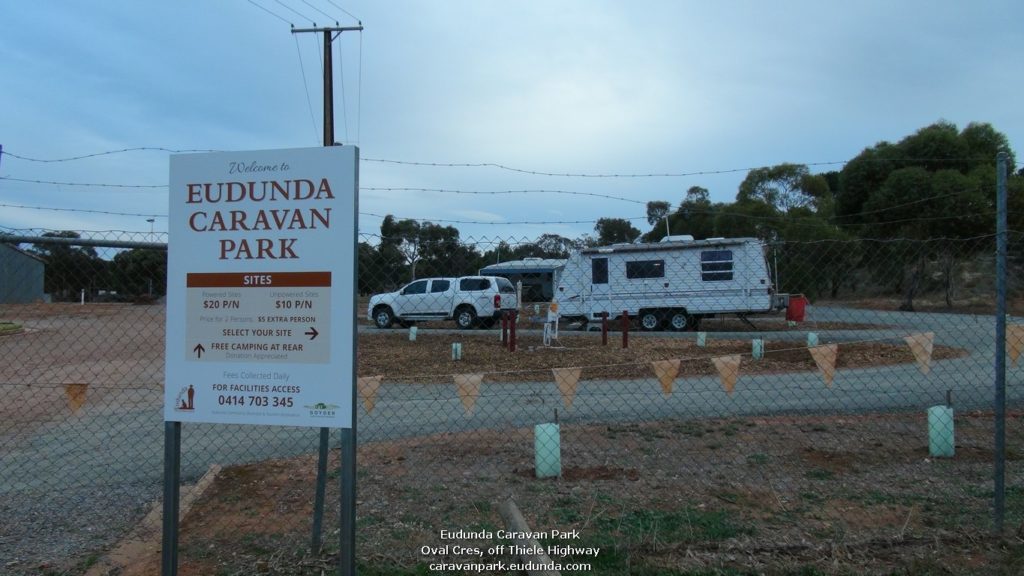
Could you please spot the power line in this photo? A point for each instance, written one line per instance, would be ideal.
(345, 11)
(305, 86)
(300, 15)
(329, 17)
(275, 15)
(344, 101)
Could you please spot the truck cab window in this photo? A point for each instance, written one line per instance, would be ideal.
(418, 287)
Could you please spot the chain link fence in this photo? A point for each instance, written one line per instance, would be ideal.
(710, 404)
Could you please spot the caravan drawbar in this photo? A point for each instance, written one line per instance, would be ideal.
(670, 284)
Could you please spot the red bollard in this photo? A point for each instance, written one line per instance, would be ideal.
(604, 328)
(504, 329)
(512, 331)
(625, 328)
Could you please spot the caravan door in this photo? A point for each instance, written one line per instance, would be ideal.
(600, 292)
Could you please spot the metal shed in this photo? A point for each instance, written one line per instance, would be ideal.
(21, 276)
(538, 275)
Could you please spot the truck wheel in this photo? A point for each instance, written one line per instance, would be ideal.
(680, 321)
(650, 320)
(383, 317)
(465, 317)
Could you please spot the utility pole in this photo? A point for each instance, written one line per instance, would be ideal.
(347, 525)
(330, 33)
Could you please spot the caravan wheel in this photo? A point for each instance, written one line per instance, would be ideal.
(650, 320)
(680, 321)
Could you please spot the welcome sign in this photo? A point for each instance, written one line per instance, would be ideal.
(261, 287)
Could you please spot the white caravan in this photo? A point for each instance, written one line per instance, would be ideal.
(670, 284)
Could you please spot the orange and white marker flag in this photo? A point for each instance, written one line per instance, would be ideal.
(825, 357)
(666, 371)
(469, 389)
(1014, 341)
(567, 378)
(921, 345)
(728, 371)
(368, 386)
(76, 395)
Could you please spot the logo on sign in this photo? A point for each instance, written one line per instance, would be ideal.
(322, 410)
(186, 399)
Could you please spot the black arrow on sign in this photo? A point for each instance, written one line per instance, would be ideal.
(312, 333)
(199, 350)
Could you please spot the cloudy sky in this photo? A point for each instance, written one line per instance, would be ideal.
(580, 87)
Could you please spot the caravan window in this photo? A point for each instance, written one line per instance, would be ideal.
(716, 265)
(645, 269)
(599, 271)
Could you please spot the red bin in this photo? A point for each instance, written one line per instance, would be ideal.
(797, 308)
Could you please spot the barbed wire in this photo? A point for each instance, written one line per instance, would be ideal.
(499, 192)
(82, 210)
(507, 167)
(82, 184)
(110, 152)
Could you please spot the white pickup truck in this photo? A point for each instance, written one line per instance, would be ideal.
(469, 300)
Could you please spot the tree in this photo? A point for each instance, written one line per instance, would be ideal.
(656, 211)
(751, 218)
(783, 186)
(70, 268)
(423, 249)
(934, 183)
(695, 215)
(615, 230)
(140, 271)
(402, 237)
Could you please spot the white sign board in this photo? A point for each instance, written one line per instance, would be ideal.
(261, 278)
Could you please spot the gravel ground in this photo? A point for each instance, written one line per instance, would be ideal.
(71, 483)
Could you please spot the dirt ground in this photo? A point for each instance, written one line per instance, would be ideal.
(631, 481)
(790, 495)
(428, 359)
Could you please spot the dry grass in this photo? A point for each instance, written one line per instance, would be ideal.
(809, 495)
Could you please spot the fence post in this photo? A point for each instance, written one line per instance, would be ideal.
(625, 328)
(604, 328)
(504, 328)
(321, 489)
(172, 498)
(999, 489)
(513, 320)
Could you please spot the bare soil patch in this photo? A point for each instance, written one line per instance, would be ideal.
(429, 358)
(782, 495)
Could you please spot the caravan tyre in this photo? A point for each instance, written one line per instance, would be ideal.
(650, 320)
(680, 321)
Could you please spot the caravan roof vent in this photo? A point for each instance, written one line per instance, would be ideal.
(678, 238)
